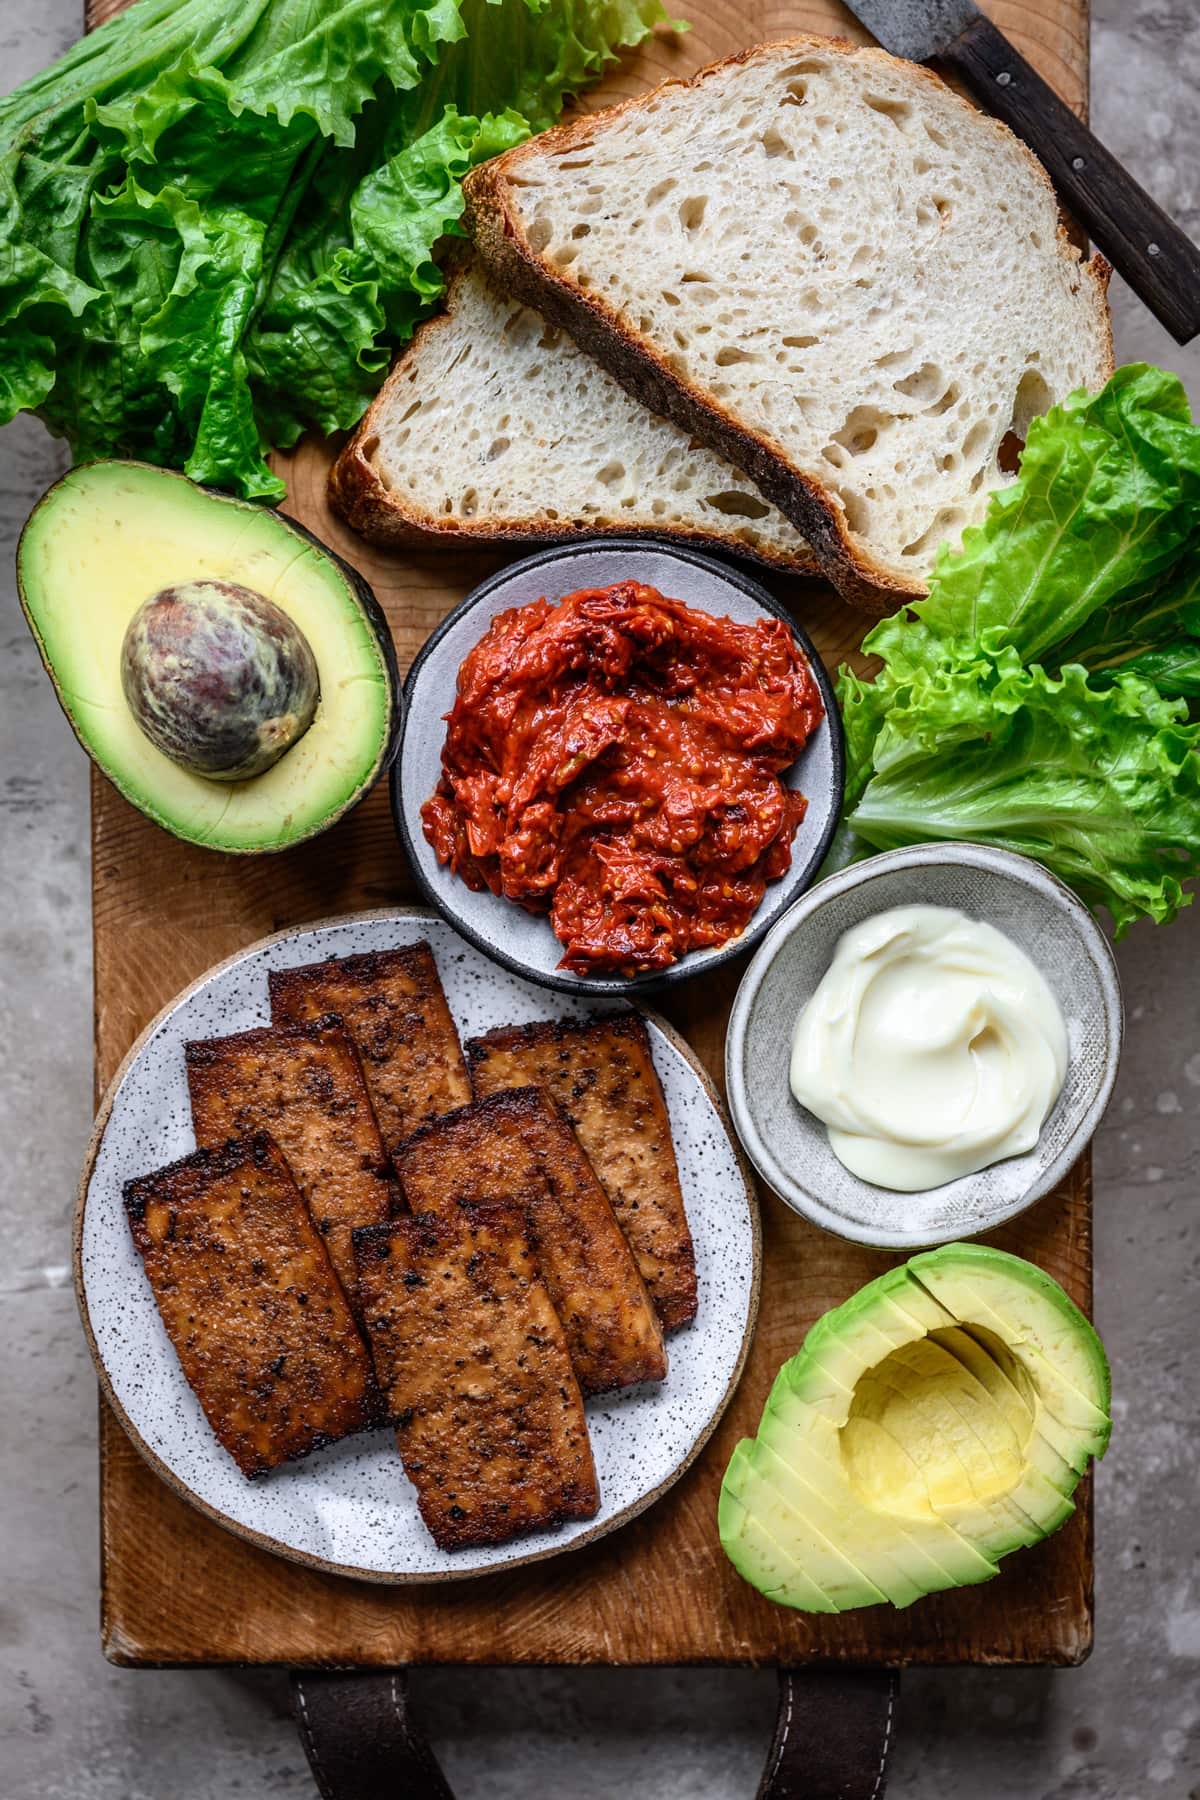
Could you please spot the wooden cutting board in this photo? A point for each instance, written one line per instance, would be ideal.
(178, 1589)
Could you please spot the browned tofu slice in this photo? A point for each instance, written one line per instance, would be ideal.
(517, 1146)
(396, 1012)
(251, 1303)
(601, 1073)
(305, 1087)
(474, 1368)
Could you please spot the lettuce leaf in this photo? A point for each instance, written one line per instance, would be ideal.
(1107, 500)
(1038, 699)
(218, 217)
(1100, 785)
(1153, 631)
(357, 273)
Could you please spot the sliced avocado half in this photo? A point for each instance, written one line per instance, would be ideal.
(935, 1422)
(110, 535)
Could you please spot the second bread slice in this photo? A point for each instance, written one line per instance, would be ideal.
(494, 425)
(828, 266)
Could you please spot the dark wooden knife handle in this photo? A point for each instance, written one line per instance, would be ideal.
(832, 1738)
(1157, 259)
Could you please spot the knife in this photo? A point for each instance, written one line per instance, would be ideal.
(1157, 259)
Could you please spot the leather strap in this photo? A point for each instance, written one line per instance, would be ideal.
(831, 1741)
(360, 1740)
(833, 1735)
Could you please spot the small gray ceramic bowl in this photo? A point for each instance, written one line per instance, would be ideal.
(789, 1147)
(523, 941)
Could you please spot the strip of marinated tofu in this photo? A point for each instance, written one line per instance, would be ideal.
(601, 1073)
(517, 1146)
(396, 1012)
(304, 1086)
(251, 1304)
(474, 1367)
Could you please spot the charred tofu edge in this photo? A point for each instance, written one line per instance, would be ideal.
(368, 967)
(206, 1053)
(207, 1060)
(517, 1102)
(215, 1160)
(532, 1105)
(373, 1245)
(212, 1163)
(291, 990)
(675, 1310)
(364, 965)
(556, 1031)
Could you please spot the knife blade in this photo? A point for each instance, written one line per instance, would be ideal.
(915, 29)
(1157, 259)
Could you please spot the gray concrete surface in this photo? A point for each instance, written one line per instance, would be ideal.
(1121, 1728)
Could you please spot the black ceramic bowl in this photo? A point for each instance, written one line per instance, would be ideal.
(523, 941)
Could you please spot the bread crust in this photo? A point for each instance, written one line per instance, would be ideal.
(600, 330)
(368, 506)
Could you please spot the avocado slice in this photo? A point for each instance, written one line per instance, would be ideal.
(959, 1475)
(756, 1553)
(1036, 1322)
(904, 1563)
(812, 1397)
(1062, 1454)
(1047, 1440)
(912, 1518)
(935, 1422)
(110, 535)
(980, 1475)
(819, 1559)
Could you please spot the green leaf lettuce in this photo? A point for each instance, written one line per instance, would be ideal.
(218, 217)
(1038, 698)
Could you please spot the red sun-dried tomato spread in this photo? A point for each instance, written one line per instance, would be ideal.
(615, 760)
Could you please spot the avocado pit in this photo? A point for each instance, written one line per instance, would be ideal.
(218, 678)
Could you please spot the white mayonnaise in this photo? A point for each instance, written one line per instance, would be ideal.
(931, 1048)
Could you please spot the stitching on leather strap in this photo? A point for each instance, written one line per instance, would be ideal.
(785, 1731)
(416, 1744)
(310, 1745)
(415, 1748)
(893, 1684)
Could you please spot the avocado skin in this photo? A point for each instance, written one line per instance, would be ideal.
(979, 1502)
(375, 616)
(361, 593)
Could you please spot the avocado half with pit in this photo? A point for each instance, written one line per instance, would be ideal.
(938, 1420)
(260, 697)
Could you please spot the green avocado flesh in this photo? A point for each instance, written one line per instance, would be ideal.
(111, 534)
(936, 1421)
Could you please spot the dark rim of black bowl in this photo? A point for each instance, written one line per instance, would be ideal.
(798, 879)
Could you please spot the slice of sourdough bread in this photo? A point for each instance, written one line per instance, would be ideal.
(827, 265)
(494, 425)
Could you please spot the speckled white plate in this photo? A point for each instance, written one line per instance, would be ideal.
(349, 1508)
(523, 941)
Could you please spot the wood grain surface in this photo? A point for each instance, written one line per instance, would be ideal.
(176, 1588)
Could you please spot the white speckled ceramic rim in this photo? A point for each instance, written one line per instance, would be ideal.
(524, 942)
(404, 924)
(742, 1091)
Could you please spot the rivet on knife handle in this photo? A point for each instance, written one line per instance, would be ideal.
(1157, 259)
